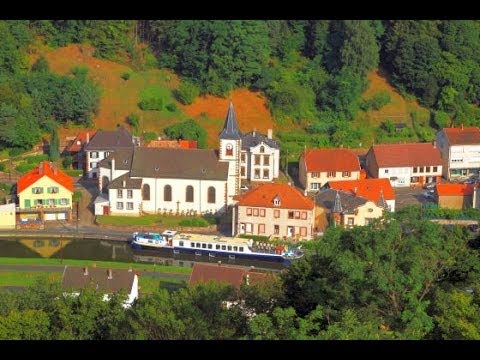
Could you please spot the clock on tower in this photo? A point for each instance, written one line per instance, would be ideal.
(229, 148)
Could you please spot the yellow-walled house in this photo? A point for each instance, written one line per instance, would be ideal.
(7, 216)
(45, 193)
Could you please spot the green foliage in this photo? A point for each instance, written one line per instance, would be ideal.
(53, 151)
(126, 75)
(187, 92)
(151, 98)
(188, 130)
(24, 167)
(80, 71)
(2, 167)
(41, 65)
(441, 119)
(149, 136)
(377, 101)
(171, 107)
(134, 121)
(67, 161)
(36, 159)
(198, 222)
(77, 195)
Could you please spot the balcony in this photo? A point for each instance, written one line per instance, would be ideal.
(41, 208)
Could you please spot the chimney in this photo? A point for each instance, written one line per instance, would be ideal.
(219, 263)
(434, 144)
(269, 133)
(129, 269)
(462, 125)
(85, 271)
(109, 274)
(55, 169)
(305, 192)
(289, 184)
(40, 168)
(124, 183)
(112, 170)
(254, 130)
(355, 190)
(88, 137)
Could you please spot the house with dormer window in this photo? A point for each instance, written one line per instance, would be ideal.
(278, 210)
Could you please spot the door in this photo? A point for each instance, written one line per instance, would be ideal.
(290, 231)
(61, 216)
(27, 204)
(105, 210)
(242, 228)
(50, 216)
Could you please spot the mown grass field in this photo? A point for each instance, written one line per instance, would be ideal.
(151, 220)
(112, 264)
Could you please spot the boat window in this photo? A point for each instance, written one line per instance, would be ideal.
(198, 245)
(217, 247)
(235, 248)
(229, 248)
(150, 241)
(192, 244)
(241, 249)
(204, 246)
(224, 247)
(209, 246)
(180, 243)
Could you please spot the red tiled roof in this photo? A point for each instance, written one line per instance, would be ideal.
(406, 155)
(263, 195)
(455, 189)
(463, 136)
(33, 175)
(368, 188)
(82, 137)
(331, 160)
(234, 276)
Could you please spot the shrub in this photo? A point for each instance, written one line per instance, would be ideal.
(16, 151)
(41, 65)
(2, 167)
(376, 102)
(67, 161)
(151, 98)
(441, 119)
(80, 70)
(186, 92)
(188, 130)
(35, 159)
(24, 167)
(149, 136)
(133, 120)
(171, 107)
(193, 222)
(126, 75)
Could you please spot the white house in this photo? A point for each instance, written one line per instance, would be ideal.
(460, 150)
(7, 216)
(260, 157)
(405, 164)
(105, 281)
(102, 145)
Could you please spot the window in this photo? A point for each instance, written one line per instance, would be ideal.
(297, 214)
(346, 174)
(262, 149)
(435, 169)
(257, 174)
(266, 160)
(315, 186)
(261, 228)
(249, 211)
(211, 195)
(350, 221)
(197, 245)
(266, 173)
(427, 169)
(255, 212)
(119, 205)
(291, 214)
(64, 201)
(189, 194)
(315, 174)
(224, 247)
(52, 190)
(192, 245)
(235, 248)
(303, 231)
(262, 212)
(415, 170)
(94, 155)
(51, 202)
(276, 229)
(129, 194)
(38, 202)
(331, 174)
(107, 153)
(304, 215)
(242, 157)
(120, 193)
(414, 179)
(167, 193)
(370, 210)
(129, 205)
(229, 150)
(93, 165)
(276, 213)
(180, 243)
(204, 246)
(386, 171)
(37, 190)
(209, 246)
(257, 159)
(368, 220)
(146, 192)
(276, 201)
(240, 249)
(242, 171)
(217, 247)
(229, 248)
(421, 169)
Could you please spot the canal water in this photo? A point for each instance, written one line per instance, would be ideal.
(103, 250)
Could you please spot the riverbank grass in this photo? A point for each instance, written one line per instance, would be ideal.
(111, 264)
(156, 220)
(26, 278)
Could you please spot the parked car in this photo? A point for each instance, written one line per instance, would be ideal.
(429, 194)
(469, 181)
(430, 186)
(244, 187)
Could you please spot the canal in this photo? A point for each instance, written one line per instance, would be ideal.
(104, 250)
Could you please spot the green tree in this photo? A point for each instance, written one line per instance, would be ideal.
(25, 325)
(187, 92)
(41, 65)
(188, 130)
(53, 151)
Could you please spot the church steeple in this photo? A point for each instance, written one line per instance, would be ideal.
(230, 128)
(337, 204)
(381, 201)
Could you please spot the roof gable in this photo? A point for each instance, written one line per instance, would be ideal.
(110, 140)
(406, 155)
(368, 188)
(42, 170)
(349, 202)
(82, 138)
(230, 128)
(455, 189)
(463, 135)
(75, 278)
(265, 194)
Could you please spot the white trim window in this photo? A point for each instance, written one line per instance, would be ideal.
(119, 205)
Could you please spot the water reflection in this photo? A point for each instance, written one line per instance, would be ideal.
(103, 250)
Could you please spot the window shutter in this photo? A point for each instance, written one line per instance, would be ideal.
(33, 190)
(35, 202)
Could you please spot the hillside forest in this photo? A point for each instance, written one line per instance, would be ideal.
(316, 76)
